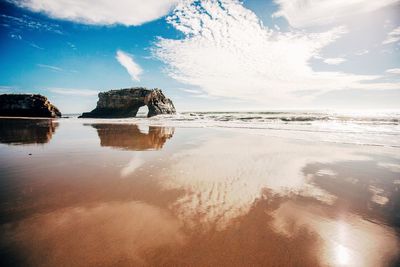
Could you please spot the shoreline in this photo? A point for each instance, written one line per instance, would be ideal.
(184, 194)
(367, 132)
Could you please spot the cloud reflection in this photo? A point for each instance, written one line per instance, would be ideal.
(132, 165)
(346, 241)
(223, 177)
(107, 234)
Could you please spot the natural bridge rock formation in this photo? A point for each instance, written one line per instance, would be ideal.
(27, 105)
(126, 103)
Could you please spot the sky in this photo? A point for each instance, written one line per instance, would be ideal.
(205, 55)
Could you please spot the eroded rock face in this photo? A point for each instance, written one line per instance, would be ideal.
(126, 103)
(27, 105)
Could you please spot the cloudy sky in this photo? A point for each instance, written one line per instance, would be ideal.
(205, 55)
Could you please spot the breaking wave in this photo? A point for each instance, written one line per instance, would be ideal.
(364, 128)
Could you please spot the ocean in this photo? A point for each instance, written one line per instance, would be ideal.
(375, 128)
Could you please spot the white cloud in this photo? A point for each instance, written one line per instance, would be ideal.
(190, 91)
(76, 92)
(27, 22)
(300, 13)
(203, 96)
(4, 89)
(393, 71)
(393, 36)
(228, 52)
(361, 52)
(50, 67)
(129, 64)
(19, 38)
(36, 46)
(72, 46)
(334, 61)
(16, 36)
(101, 12)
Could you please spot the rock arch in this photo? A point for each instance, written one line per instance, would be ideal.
(125, 103)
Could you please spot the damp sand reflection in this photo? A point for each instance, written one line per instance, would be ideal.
(198, 197)
(26, 131)
(130, 137)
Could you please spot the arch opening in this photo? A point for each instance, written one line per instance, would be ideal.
(142, 112)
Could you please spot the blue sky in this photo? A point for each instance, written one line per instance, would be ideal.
(205, 55)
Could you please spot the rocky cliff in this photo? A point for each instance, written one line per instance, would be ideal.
(126, 103)
(27, 105)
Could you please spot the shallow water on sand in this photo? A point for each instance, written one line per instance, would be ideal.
(78, 193)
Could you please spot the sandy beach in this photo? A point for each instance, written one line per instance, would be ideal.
(90, 193)
(200, 133)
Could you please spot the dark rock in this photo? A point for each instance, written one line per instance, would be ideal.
(126, 103)
(27, 105)
(159, 104)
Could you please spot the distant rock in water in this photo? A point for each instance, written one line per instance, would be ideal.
(126, 103)
(27, 105)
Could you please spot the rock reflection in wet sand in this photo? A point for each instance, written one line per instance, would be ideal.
(219, 198)
(26, 131)
(129, 136)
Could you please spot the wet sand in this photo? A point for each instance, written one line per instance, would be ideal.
(81, 194)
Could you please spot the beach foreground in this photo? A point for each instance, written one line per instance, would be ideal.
(95, 193)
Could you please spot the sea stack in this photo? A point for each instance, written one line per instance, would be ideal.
(27, 105)
(125, 103)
